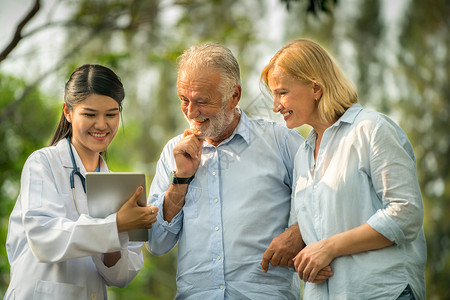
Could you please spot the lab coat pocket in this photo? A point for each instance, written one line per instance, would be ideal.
(56, 290)
(190, 208)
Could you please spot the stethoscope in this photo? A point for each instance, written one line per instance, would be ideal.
(75, 171)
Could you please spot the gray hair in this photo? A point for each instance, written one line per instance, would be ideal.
(216, 56)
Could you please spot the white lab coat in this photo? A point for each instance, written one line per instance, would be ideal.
(54, 252)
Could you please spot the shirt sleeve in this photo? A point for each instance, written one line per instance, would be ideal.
(293, 214)
(54, 236)
(163, 235)
(290, 145)
(126, 268)
(394, 178)
(289, 141)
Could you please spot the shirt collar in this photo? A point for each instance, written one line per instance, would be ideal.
(348, 117)
(241, 130)
(63, 150)
(64, 154)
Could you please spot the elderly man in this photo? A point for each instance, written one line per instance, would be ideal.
(223, 189)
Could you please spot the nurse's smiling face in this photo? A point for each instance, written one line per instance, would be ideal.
(94, 124)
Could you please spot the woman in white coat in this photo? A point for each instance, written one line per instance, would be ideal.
(55, 249)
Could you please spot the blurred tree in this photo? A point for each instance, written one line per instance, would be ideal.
(403, 70)
(313, 6)
(18, 35)
(424, 70)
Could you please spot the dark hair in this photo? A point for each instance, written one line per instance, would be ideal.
(83, 82)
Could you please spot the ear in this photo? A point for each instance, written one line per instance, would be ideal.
(67, 113)
(317, 90)
(236, 96)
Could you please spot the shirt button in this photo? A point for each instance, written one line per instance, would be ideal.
(216, 200)
(217, 228)
(221, 286)
(214, 173)
(218, 257)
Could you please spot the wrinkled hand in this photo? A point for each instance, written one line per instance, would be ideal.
(323, 275)
(313, 258)
(187, 153)
(132, 216)
(282, 249)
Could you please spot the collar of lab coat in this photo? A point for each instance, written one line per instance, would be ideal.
(64, 153)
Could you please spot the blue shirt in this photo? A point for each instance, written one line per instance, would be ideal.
(237, 203)
(365, 172)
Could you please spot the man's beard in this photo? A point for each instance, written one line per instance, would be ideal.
(217, 125)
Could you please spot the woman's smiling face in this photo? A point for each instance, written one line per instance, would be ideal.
(292, 98)
(94, 123)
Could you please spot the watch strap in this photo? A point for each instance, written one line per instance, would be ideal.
(181, 180)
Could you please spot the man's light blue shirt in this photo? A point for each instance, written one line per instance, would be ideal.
(237, 203)
(365, 172)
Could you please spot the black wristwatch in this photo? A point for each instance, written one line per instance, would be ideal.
(180, 180)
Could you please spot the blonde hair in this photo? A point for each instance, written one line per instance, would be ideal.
(308, 62)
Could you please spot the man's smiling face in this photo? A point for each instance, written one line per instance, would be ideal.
(202, 103)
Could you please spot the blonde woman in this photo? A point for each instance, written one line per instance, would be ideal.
(355, 193)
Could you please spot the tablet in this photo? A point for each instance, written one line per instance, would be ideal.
(107, 192)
